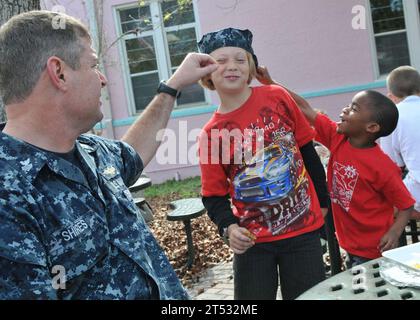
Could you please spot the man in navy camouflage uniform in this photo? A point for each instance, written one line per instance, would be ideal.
(69, 228)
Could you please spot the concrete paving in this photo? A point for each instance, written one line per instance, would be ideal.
(216, 284)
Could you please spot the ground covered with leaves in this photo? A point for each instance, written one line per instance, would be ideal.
(209, 247)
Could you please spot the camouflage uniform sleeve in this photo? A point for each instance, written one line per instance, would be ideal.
(132, 165)
(23, 281)
(128, 160)
(24, 273)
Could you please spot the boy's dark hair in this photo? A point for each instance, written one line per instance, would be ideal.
(384, 112)
(403, 82)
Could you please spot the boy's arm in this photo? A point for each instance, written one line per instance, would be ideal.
(216, 199)
(220, 212)
(310, 157)
(264, 77)
(325, 128)
(317, 173)
(390, 239)
(391, 186)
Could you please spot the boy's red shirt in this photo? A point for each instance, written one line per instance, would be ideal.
(273, 196)
(364, 186)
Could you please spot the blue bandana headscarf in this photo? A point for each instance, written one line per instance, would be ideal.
(229, 37)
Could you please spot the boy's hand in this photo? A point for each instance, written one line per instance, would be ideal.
(240, 239)
(389, 240)
(263, 76)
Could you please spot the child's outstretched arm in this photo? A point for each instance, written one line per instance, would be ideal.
(264, 77)
(390, 239)
(310, 157)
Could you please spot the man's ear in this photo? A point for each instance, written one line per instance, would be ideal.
(55, 70)
(373, 127)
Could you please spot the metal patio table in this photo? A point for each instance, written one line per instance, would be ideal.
(363, 282)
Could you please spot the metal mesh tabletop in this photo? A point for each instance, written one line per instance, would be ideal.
(363, 282)
(185, 209)
(142, 183)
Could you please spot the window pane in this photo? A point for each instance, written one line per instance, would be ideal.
(180, 43)
(141, 54)
(387, 15)
(138, 26)
(191, 94)
(136, 18)
(173, 14)
(144, 89)
(392, 52)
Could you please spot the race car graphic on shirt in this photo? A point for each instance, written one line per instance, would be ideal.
(273, 185)
(267, 177)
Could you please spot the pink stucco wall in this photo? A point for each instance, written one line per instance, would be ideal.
(309, 46)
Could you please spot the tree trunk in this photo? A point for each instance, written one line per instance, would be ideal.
(8, 9)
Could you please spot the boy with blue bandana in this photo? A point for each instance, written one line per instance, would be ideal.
(273, 226)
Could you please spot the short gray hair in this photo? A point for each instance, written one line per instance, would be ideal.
(404, 81)
(27, 41)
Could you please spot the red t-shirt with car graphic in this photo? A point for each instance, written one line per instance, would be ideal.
(364, 186)
(253, 154)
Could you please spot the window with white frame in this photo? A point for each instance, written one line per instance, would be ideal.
(396, 35)
(157, 36)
